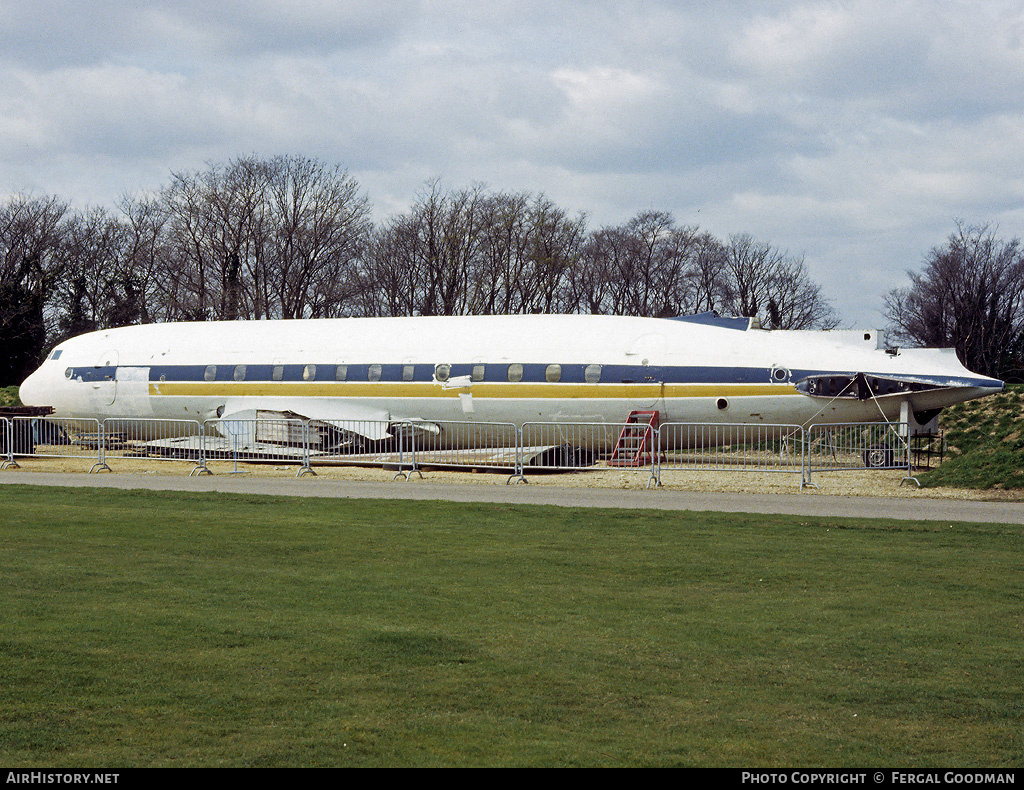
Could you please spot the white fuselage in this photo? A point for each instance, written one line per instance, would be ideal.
(509, 369)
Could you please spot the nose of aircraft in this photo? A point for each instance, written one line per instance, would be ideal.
(33, 390)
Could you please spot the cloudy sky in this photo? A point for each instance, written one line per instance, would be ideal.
(852, 132)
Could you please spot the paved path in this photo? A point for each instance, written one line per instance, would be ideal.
(796, 504)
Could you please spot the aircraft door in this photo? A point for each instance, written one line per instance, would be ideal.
(104, 379)
(648, 351)
(655, 399)
(132, 391)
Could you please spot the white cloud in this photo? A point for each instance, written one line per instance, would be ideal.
(854, 132)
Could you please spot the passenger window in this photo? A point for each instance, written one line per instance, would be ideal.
(374, 373)
(277, 373)
(442, 372)
(408, 371)
(553, 373)
(210, 373)
(515, 372)
(309, 373)
(478, 372)
(341, 373)
(592, 374)
(239, 374)
(68, 373)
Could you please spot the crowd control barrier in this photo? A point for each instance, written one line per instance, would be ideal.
(410, 446)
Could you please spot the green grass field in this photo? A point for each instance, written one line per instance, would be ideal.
(170, 629)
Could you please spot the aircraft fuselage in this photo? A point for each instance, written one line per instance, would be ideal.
(509, 369)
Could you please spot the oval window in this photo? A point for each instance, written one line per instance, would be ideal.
(779, 375)
(239, 374)
(592, 374)
(277, 373)
(373, 374)
(722, 404)
(210, 373)
(408, 372)
(478, 372)
(515, 372)
(309, 373)
(553, 373)
(341, 373)
(442, 372)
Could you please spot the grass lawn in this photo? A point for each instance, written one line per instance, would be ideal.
(171, 629)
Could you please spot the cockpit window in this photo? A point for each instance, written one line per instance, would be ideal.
(56, 354)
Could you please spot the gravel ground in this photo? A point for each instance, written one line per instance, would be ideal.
(848, 483)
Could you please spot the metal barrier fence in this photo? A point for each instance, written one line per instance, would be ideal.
(57, 438)
(7, 445)
(553, 446)
(171, 440)
(730, 447)
(841, 447)
(484, 446)
(409, 446)
(280, 441)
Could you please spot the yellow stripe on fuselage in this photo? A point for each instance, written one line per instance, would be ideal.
(390, 389)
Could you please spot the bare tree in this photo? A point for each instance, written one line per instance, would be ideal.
(551, 245)
(763, 282)
(499, 269)
(645, 267)
(274, 238)
(217, 232)
(144, 259)
(93, 253)
(31, 230)
(970, 297)
(425, 259)
(706, 280)
(318, 223)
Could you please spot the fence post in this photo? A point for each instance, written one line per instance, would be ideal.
(518, 475)
(9, 462)
(201, 468)
(305, 468)
(805, 458)
(655, 459)
(101, 444)
(904, 435)
(401, 457)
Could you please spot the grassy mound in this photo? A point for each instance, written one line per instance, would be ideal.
(9, 396)
(985, 443)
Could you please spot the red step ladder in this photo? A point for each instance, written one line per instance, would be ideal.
(636, 439)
